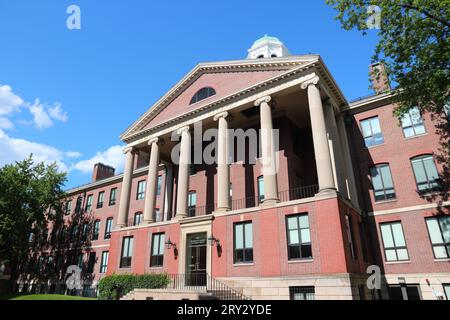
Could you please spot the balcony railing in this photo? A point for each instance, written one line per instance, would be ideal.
(298, 193)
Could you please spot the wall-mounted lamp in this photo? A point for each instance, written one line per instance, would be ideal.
(169, 244)
(213, 241)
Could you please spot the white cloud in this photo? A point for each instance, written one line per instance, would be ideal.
(9, 101)
(113, 157)
(43, 115)
(57, 113)
(5, 123)
(13, 149)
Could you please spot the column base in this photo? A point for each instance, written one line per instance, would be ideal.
(269, 203)
(222, 210)
(327, 192)
(149, 221)
(179, 217)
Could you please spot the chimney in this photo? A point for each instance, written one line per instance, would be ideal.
(102, 171)
(379, 76)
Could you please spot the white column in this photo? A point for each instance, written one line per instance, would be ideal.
(269, 160)
(223, 168)
(335, 150)
(126, 188)
(350, 173)
(168, 191)
(183, 173)
(320, 139)
(152, 180)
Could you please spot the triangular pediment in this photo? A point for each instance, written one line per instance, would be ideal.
(226, 78)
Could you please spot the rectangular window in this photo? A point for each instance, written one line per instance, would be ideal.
(104, 263)
(404, 292)
(158, 186)
(383, 187)
(192, 203)
(426, 174)
(91, 262)
(112, 197)
(302, 293)
(261, 189)
(412, 123)
(127, 252)
(85, 232)
(394, 242)
(243, 242)
(439, 231)
(447, 110)
(89, 201)
(101, 199)
(446, 288)
(108, 228)
(371, 132)
(157, 254)
(79, 204)
(298, 237)
(138, 218)
(141, 190)
(158, 217)
(68, 207)
(96, 230)
(350, 236)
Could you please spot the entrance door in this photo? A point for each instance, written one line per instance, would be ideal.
(196, 260)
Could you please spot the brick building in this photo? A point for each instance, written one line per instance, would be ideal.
(349, 189)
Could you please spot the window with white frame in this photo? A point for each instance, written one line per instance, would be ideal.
(426, 174)
(157, 254)
(104, 262)
(141, 190)
(394, 242)
(127, 252)
(383, 187)
(371, 131)
(439, 231)
(412, 123)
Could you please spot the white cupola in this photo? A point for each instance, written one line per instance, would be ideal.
(267, 47)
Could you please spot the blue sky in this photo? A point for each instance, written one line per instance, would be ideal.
(67, 95)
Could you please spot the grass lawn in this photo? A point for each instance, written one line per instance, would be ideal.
(43, 297)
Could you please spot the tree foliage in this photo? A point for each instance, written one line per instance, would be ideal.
(27, 192)
(413, 43)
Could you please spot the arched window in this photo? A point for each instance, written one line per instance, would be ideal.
(203, 94)
(425, 171)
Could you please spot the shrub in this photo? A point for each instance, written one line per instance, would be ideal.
(117, 285)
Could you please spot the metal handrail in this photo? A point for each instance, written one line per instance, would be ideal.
(204, 283)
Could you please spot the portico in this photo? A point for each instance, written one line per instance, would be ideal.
(301, 100)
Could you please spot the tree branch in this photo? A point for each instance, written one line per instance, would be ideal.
(426, 13)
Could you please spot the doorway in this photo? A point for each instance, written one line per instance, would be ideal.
(196, 259)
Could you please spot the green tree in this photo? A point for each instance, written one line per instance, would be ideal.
(413, 43)
(27, 193)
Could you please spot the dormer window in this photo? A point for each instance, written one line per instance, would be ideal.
(203, 94)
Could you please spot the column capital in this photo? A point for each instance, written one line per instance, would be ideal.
(313, 81)
(183, 129)
(221, 115)
(265, 99)
(157, 141)
(127, 150)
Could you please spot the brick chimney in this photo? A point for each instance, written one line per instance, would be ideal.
(102, 171)
(379, 76)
